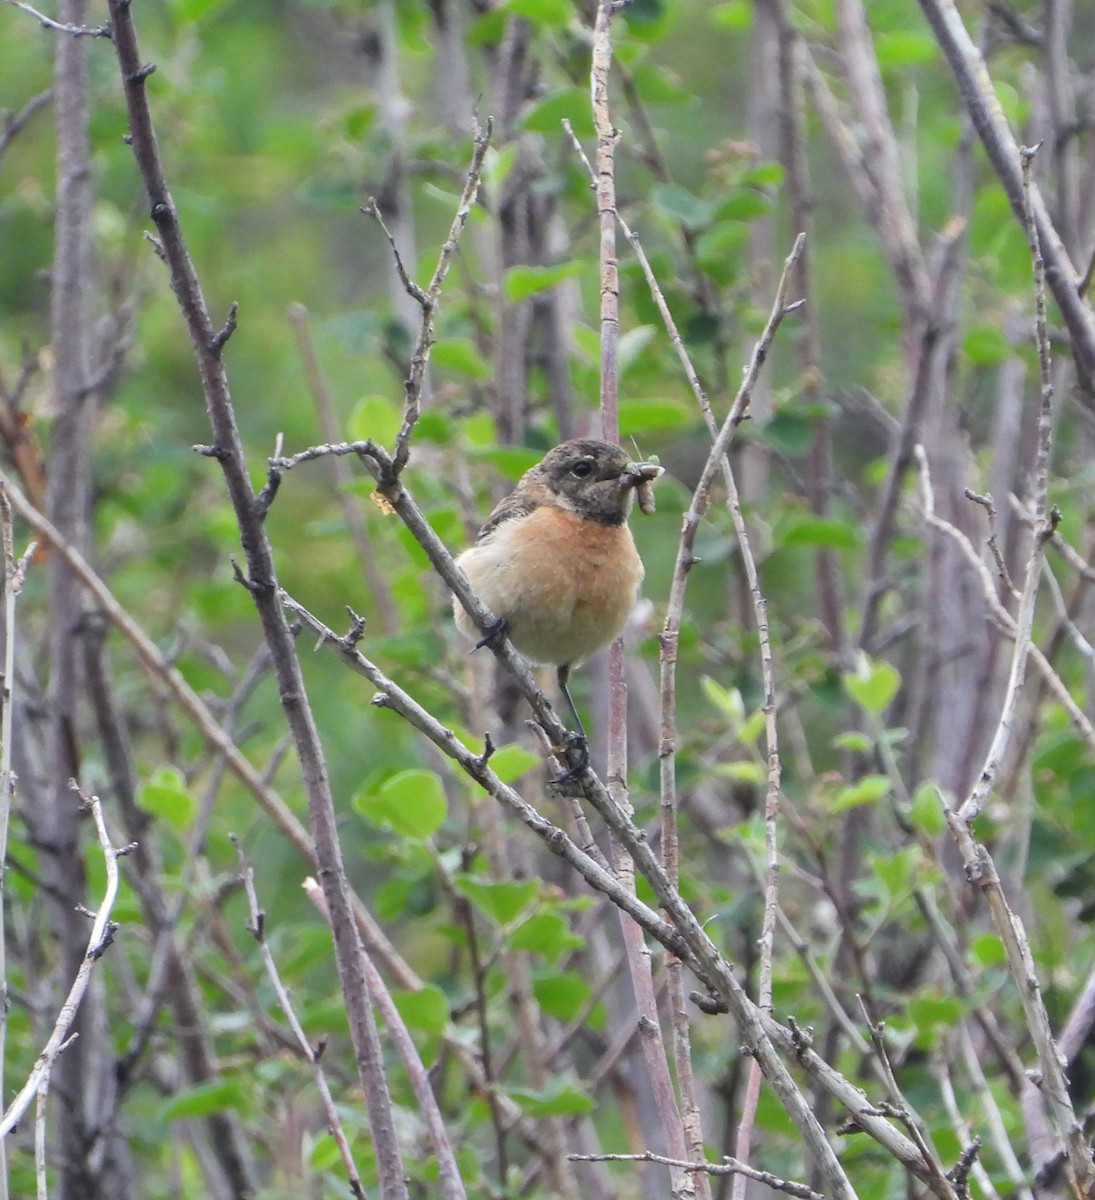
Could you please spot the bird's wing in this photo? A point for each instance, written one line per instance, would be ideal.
(516, 504)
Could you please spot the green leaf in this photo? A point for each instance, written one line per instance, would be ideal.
(326, 1154)
(410, 803)
(561, 994)
(546, 933)
(513, 761)
(204, 1099)
(375, 417)
(765, 174)
(547, 116)
(186, 11)
(929, 1011)
(167, 797)
(425, 1009)
(742, 771)
(727, 700)
(736, 16)
(873, 686)
(512, 461)
(540, 12)
(790, 431)
(642, 415)
(558, 1099)
(988, 950)
(986, 345)
(460, 354)
(897, 872)
(744, 204)
(904, 48)
(523, 281)
(821, 531)
(926, 811)
(501, 900)
(868, 790)
(853, 740)
(680, 204)
(656, 85)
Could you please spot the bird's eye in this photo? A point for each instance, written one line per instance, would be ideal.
(582, 469)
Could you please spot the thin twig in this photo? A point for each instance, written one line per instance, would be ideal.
(249, 512)
(12, 123)
(95, 31)
(979, 96)
(257, 929)
(102, 934)
(727, 1166)
(1024, 620)
(428, 299)
(651, 1042)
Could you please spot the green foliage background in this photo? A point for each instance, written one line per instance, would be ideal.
(273, 136)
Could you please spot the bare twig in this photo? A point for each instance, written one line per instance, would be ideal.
(375, 579)
(727, 1166)
(95, 31)
(257, 928)
(1024, 621)
(102, 934)
(262, 576)
(13, 573)
(651, 1041)
(427, 299)
(977, 91)
(11, 124)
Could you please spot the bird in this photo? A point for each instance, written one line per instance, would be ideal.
(555, 561)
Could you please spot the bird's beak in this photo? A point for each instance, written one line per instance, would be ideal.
(636, 474)
(641, 476)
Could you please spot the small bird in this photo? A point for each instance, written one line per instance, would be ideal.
(555, 561)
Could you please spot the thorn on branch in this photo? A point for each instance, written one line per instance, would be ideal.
(240, 578)
(959, 1173)
(1053, 519)
(229, 328)
(273, 479)
(412, 289)
(381, 700)
(709, 1003)
(97, 952)
(154, 242)
(217, 452)
(802, 1037)
(488, 750)
(141, 73)
(356, 631)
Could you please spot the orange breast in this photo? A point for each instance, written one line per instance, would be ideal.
(565, 584)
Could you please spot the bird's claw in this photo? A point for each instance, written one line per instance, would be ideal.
(578, 743)
(492, 635)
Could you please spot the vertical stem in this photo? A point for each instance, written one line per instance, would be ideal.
(7, 789)
(606, 218)
(67, 490)
(638, 957)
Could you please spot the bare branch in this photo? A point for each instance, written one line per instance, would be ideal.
(727, 1166)
(102, 934)
(95, 31)
(257, 929)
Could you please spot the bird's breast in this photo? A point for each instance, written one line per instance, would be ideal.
(564, 583)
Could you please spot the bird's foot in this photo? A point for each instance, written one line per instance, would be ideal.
(493, 634)
(580, 745)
